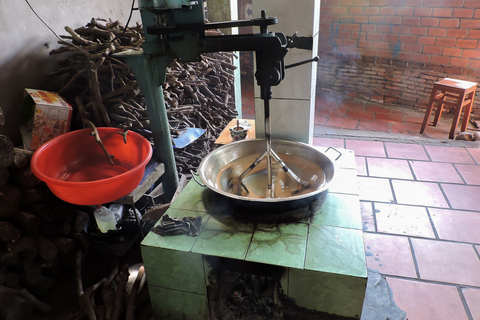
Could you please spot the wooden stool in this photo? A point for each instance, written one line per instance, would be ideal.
(460, 93)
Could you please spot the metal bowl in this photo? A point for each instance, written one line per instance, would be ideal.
(221, 165)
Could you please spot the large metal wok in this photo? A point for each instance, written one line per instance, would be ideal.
(220, 166)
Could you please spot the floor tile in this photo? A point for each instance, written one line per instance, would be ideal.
(378, 109)
(406, 151)
(328, 142)
(422, 301)
(448, 262)
(456, 225)
(472, 296)
(419, 193)
(366, 148)
(360, 115)
(389, 168)
(475, 153)
(404, 128)
(389, 254)
(435, 171)
(403, 220)
(368, 218)
(375, 189)
(469, 173)
(320, 120)
(373, 125)
(394, 116)
(462, 197)
(361, 166)
(449, 154)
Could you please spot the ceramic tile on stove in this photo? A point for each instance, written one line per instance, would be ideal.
(448, 262)
(449, 154)
(461, 196)
(389, 168)
(338, 210)
(419, 193)
(328, 142)
(404, 220)
(389, 255)
(344, 181)
(224, 237)
(366, 148)
(472, 296)
(182, 242)
(336, 250)
(421, 300)
(456, 225)
(282, 244)
(375, 189)
(191, 198)
(406, 151)
(174, 304)
(435, 171)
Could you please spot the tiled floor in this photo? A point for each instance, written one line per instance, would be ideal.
(420, 202)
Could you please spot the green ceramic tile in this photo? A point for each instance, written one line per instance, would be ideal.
(224, 237)
(344, 181)
(336, 250)
(327, 292)
(182, 242)
(191, 197)
(173, 269)
(174, 304)
(282, 245)
(338, 210)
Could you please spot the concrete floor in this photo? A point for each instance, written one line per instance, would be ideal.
(420, 202)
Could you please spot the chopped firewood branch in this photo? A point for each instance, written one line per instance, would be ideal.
(99, 141)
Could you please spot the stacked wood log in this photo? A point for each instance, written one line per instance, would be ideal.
(39, 235)
(103, 89)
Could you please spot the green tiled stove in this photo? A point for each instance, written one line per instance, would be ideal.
(321, 259)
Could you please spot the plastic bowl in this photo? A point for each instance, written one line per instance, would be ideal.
(76, 169)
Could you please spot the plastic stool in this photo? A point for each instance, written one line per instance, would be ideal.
(460, 93)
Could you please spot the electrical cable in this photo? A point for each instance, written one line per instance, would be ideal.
(34, 12)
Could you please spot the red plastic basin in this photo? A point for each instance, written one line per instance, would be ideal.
(76, 169)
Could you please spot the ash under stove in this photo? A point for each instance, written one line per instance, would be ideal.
(319, 260)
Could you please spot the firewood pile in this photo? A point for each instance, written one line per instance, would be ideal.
(103, 89)
(42, 241)
(39, 235)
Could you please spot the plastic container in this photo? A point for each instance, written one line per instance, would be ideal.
(76, 169)
(105, 219)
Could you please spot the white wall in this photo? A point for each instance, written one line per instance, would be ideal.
(26, 43)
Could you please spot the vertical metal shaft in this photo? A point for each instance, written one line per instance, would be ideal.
(268, 137)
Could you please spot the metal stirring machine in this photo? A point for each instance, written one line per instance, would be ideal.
(176, 29)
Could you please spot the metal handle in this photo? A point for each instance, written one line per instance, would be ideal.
(339, 153)
(296, 64)
(194, 176)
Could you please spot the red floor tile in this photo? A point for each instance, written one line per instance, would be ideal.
(406, 151)
(472, 297)
(344, 123)
(331, 111)
(320, 120)
(449, 154)
(435, 171)
(462, 197)
(427, 301)
(456, 225)
(366, 148)
(328, 142)
(475, 153)
(389, 255)
(448, 262)
(378, 109)
(404, 128)
(403, 220)
(361, 166)
(373, 125)
(394, 116)
(368, 219)
(470, 173)
(375, 189)
(419, 193)
(389, 168)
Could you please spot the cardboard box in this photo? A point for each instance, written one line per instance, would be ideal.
(49, 116)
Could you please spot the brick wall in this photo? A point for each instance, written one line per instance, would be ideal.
(393, 51)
